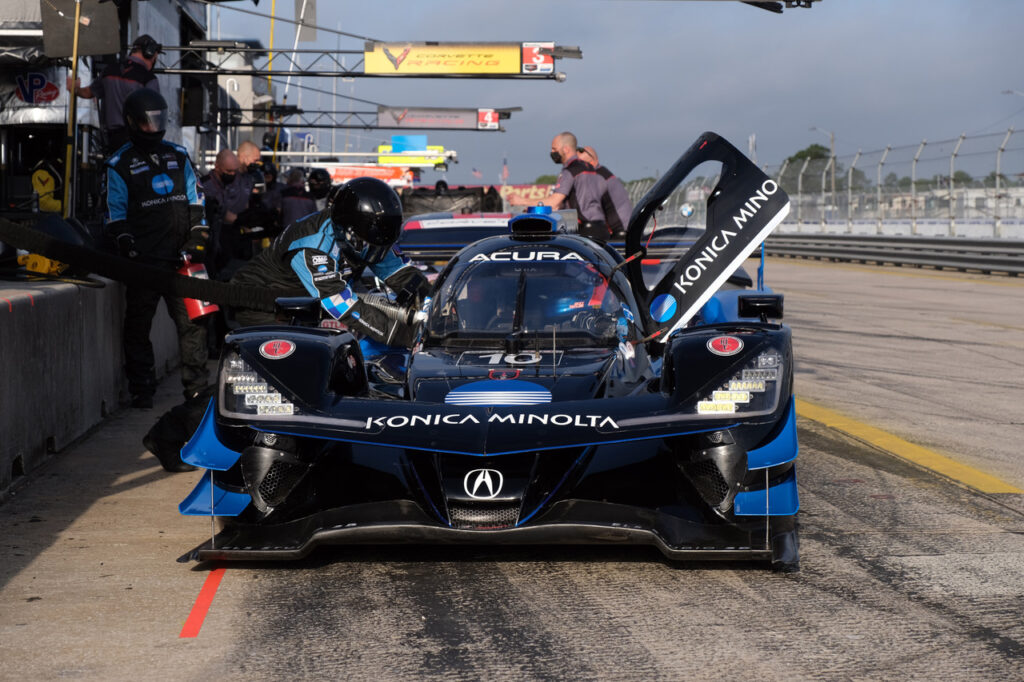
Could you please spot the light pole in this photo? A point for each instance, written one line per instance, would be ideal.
(832, 154)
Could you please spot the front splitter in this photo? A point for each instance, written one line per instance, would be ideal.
(569, 523)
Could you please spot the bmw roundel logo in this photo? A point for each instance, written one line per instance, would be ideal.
(725, 345)
(162, 184)
(663, 308)
(277, 349)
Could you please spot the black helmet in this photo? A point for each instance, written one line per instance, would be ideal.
(269, 168)
(147, 45)
(319, 183)
(145, 114)
(367, 219)
(276, 139)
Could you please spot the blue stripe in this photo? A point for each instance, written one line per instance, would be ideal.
(299, 267)
(191, 188)
(555, 489)
(117, 197)
(391, 264)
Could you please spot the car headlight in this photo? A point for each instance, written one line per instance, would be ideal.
(246, 392)
(754, 388)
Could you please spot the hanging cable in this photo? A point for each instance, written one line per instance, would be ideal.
(220, 5)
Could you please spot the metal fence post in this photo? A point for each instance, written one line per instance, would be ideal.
(782, 171)
(824, 171)
(997, 225)
(849, 193)
(913, 187)
(952, 199)
(878, 191)
(800, 194)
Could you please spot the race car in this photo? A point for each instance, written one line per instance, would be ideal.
(554, 395)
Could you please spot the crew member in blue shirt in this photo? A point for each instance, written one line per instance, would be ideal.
(155, 215)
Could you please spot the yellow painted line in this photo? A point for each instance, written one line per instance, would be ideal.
(979, 480)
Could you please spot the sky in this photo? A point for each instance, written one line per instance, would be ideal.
(657, 73)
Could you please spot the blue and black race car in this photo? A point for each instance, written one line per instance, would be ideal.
(554, 395)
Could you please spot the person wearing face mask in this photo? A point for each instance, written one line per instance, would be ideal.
(319, 186)
(155, 215)
(579, 187)
(227, 190)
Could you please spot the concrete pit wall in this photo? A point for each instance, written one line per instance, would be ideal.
(61, 370)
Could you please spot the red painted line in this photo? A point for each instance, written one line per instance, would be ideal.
(10, 306)
(202, 605)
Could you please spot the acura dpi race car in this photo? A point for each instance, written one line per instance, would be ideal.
(554, 395)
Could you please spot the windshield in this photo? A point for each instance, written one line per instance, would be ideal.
(531, 291)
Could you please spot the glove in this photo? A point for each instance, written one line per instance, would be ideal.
(126, 245)
(195, 247)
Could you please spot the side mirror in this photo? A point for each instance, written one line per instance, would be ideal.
(302, 310)
(762, 306)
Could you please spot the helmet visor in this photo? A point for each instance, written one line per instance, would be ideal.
(360, 250)
(152, 121)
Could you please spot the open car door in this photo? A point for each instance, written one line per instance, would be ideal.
(740, 206)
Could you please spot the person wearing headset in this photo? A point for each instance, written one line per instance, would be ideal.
(115, 83)
(155, 216)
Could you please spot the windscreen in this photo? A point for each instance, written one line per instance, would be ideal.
(530, 290)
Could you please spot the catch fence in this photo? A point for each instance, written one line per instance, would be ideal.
(963, 186)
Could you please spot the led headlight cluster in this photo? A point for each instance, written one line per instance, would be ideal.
(754, 388)
(247, 392)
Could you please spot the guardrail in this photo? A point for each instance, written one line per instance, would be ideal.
(990, 256)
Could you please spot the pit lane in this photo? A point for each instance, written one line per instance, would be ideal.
(905, 571)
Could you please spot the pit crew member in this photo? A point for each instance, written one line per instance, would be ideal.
(155, 214)
(326, 253)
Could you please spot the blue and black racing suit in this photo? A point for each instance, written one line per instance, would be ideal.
(154, 210)
(306, 259)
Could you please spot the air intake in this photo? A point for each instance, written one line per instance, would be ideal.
(483, 516)
(537, 221)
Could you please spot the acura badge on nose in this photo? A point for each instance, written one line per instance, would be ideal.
(483, 484)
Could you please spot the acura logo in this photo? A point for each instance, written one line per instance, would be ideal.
(483, 484)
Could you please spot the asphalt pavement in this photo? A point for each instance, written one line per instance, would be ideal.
(905, 572)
